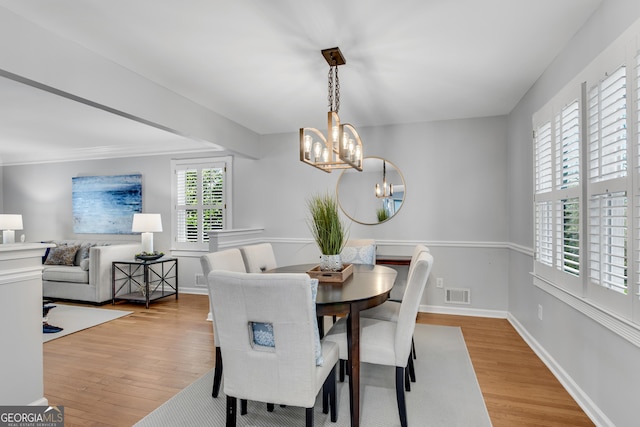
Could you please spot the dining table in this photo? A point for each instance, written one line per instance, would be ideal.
(368, 286)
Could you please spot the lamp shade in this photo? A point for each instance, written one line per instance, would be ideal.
(10, 222)
(146, 222)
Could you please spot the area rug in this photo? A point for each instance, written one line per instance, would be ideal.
(446, 394)
(76, 318)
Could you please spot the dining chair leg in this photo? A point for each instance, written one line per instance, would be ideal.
(217, 376)
(402, 406)
(309, 417)
(326, 396)
(329, 392)
(343, 364)
(407, 380)
(232, 407)
(412, 370)
(270, 407)
(243, 406)
(333, 401)
(413, 348)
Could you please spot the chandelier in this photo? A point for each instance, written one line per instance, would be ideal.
(342, 149)
(385, 190)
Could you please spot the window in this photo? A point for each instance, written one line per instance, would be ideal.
(557, 148)
(582, 226)
(201, 200)
(587, 190)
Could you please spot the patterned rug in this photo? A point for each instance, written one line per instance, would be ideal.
(446, 394)
(76, 318)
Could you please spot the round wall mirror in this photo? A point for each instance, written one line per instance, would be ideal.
(374, 195)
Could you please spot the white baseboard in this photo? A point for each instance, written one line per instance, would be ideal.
(588, 406)
(462, 311)
(193, 290)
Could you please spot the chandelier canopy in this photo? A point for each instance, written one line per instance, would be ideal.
(342, 148)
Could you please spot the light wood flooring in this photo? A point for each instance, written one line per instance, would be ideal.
(116, 373)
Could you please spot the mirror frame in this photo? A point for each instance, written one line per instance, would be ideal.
(348, 215)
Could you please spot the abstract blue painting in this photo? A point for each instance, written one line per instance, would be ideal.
(106, 204)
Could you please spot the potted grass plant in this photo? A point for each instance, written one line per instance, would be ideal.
(327, 229)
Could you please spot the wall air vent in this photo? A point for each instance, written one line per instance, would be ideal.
(457, 296)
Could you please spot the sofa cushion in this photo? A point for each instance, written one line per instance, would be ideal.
(64, 273)
(62, 255)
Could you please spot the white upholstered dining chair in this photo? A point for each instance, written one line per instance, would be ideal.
(228, 260)
(259, 258)
(268, 334)
(390, 309)
(388, 343)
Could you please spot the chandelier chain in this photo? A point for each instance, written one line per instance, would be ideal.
(334, 89)
(337, 95)
(330, 89)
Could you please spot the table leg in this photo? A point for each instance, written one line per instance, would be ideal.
(146, 284)
(353, 344)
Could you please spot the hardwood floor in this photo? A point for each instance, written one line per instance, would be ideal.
(116, 373)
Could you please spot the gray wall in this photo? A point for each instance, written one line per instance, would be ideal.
(595, 364)
(456, 202)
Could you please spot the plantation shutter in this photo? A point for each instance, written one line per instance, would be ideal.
(543, 186)
(200, 199)
(567, 142)
(544, 165)
(607, 130)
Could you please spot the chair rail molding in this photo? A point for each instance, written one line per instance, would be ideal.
(224, 239)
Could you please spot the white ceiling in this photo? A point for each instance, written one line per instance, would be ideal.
(258, 63)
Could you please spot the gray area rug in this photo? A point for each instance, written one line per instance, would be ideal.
(75, 318)
(446, 394)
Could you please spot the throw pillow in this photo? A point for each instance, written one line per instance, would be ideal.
(263, 332)
(84, 264)
(83, 253)
(62, 255)
(314, 294)
(359, 255)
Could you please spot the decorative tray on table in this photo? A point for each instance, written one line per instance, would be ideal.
(149, 257)
(331, 276)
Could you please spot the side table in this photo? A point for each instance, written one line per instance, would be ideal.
(144, 281)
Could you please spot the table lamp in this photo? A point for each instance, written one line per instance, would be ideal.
(8, 224)
(146, 224)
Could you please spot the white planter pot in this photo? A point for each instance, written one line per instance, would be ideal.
(330, 262)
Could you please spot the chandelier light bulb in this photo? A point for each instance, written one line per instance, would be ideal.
(317, 150)
(308, 141)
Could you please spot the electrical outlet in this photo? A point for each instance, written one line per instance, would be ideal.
(439, 282)
(539, 311)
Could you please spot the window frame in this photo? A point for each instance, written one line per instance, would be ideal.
(225, 162)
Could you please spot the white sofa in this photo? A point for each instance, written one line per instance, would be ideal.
(88, 281)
